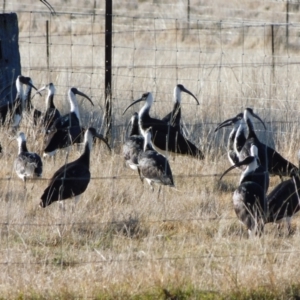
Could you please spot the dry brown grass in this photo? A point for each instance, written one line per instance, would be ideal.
(122, 241)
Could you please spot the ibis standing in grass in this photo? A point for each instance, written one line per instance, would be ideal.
(174, 117)
(52, 113)
(153, 166)
(249, 199)
(165, 138)
(133, 145)
(12, 112)
(72, 179)
(27, 164)
(33, 113)
(67, 129)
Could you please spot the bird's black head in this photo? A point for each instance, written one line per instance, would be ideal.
(183, 89)
(145, 95)
(75, 91)
(143, 98)
(26, 80)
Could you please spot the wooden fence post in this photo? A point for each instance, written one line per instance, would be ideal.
(10, 63)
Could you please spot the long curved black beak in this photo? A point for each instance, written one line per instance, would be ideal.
(226, 123)
(134, 102)
(49, 6)
(256, 116)
(248, 160)
(75, 91)
(26, 80)
(183, 89)
(230, 121)
(40, 90)
(100, 137)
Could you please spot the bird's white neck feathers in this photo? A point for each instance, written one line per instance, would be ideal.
(147, 105)
(253, 165)
(20, 89)
(74, 104)
(51, 91)
(88, 139)
(242, 127)
(177, 95)
(247, 116)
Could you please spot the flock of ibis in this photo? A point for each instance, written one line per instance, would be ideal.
(61, 131)
(144, 151)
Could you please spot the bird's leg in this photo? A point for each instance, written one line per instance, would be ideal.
(25, 184)
(140, 175)
(62, 205)
(76, 200)
(158, 192)
(289, 226)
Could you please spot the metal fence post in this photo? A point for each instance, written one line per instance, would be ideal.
(108, 67)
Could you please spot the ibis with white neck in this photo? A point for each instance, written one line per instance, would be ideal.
(153, 166)
(174, 117)
(165, 138)
(270, 159)
(67, 129)
(237, 137)
(27, 164)
(12, 112)
(52, 113)
(72, 179)
(34, 113)
(134, 144)
(249, 199)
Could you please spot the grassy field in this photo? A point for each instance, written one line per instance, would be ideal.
(123, 241)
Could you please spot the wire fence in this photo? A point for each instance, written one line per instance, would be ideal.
(238, 58)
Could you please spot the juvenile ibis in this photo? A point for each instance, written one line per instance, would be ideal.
(27, 164)
(133, 145)
(153, 166)
(249, 199)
